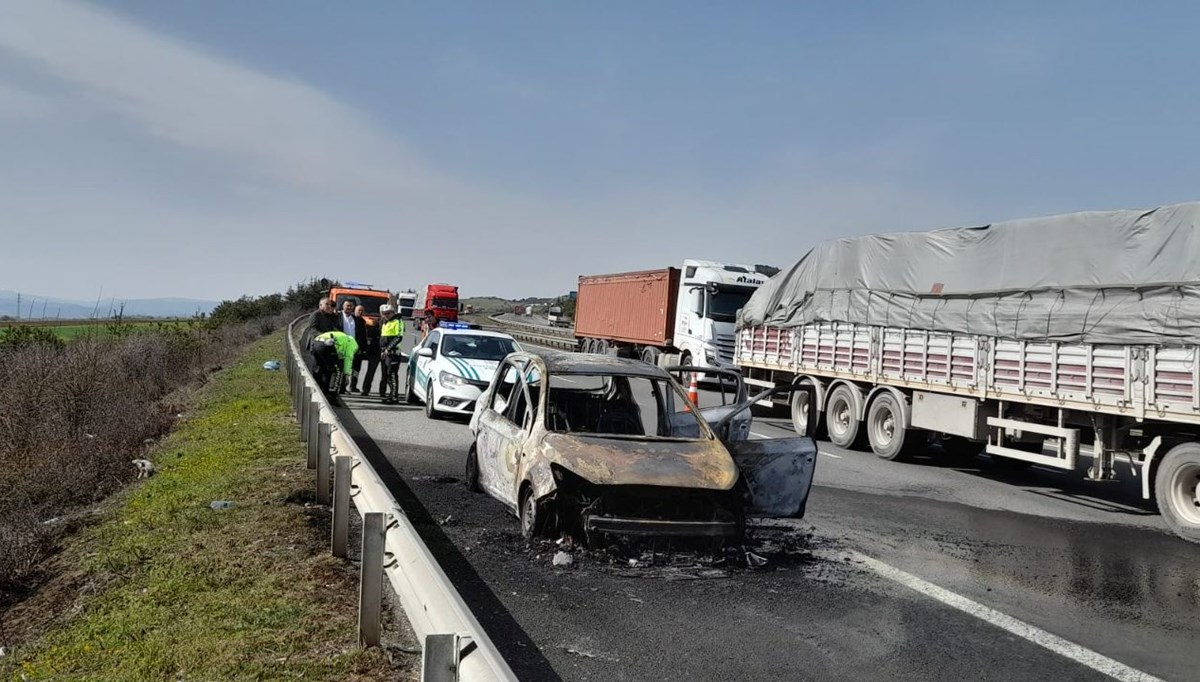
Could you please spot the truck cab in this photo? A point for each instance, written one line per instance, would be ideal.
(360, 294)
(710, 295)
(442, 301)
(406, 304)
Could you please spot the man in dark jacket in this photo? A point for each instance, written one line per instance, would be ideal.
(367, 337)
(324, 319)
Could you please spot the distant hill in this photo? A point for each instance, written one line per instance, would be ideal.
(492, 304)
(35, 306)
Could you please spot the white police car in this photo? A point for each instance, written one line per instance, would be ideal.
(453, 366)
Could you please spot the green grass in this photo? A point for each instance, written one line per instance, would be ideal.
(68, 331)
(181, 591)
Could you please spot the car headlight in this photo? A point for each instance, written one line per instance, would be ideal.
(710, 357)
(448, 380)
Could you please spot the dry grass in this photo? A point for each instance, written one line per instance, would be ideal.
(164, 587)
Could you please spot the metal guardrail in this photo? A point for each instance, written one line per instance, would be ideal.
(554, 337)
(454, 645)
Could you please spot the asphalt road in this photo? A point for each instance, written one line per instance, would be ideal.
(933, 569)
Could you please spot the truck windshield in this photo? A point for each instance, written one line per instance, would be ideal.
(723, 305)
(370, 304)
(445, 303)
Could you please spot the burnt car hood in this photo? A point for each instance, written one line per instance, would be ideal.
(696, 464)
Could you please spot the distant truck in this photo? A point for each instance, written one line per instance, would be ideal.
(360, 294)
(441, 300)
(554, 315)
(406, 304)
(1038, 341)
(689, 312)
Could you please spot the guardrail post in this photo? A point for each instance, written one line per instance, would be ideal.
(304, 412)
(341, 504)
(323, 452)
(439, 658)
(314, 420)
(370, 588)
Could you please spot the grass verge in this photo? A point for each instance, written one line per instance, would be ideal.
(165, 587)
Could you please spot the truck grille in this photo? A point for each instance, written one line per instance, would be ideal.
(725, 345)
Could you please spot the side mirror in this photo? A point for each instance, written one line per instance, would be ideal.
(425, 352)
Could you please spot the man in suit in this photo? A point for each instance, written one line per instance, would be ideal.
(367, 337)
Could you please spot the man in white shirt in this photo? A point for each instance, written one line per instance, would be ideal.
(348, 319)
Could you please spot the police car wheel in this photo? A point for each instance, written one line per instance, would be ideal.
(410, 396)
(430, 410)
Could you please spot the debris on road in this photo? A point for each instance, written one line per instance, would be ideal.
(145, 468)
(221, 504)
(562, 559)
(271, 365)
(435, 479)
(446, 520)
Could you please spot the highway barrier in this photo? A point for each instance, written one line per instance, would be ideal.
(542, 335)
(454, 645)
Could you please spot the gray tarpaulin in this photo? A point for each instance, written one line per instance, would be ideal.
(1120, 277)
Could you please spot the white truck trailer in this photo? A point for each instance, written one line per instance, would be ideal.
(1025, 340)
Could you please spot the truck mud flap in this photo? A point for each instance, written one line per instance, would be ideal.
(778, 474)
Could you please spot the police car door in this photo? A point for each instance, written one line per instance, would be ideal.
(421, 364)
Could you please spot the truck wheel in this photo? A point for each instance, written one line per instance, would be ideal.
(806, 420)
(885, 427)
(1177, 488)
(650, 355)
(840, 420)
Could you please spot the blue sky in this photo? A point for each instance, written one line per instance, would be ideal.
(208, 149)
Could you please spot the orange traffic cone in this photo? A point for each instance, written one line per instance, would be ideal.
(694, 391)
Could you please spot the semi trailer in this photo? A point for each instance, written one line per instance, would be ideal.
(1039, 341)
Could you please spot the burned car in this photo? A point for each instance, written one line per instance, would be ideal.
(596, 446)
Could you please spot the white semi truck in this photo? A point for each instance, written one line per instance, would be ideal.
(689, 312)
(1034, 341)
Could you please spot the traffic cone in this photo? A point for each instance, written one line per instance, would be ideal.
(694, 391)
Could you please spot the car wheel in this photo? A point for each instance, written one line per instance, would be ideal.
(472, 473)
(410, 395)
(531, 520)
(430, 410)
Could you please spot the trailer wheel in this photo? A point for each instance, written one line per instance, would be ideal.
(840, 420)
(885, 427)
(1177, 488)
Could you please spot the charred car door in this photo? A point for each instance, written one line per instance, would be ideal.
(777, 472)
(732, 394)
(503, 430)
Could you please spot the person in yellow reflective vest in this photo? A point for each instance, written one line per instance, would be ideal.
(391, 333)
(329, 346)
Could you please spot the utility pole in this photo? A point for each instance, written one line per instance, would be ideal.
(18, 305)
(31, 304)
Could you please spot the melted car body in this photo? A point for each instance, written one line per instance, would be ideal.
(594, 446)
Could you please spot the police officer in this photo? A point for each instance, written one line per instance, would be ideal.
(327, 347)
(391, 333)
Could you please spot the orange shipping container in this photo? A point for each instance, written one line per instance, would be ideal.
(634, 307)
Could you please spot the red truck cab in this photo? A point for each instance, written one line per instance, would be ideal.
(442, 301)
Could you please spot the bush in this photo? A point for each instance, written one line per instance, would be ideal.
(24, 336)
(73, 415)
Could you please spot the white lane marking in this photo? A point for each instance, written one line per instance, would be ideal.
(1060, 646)
(762, 437)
